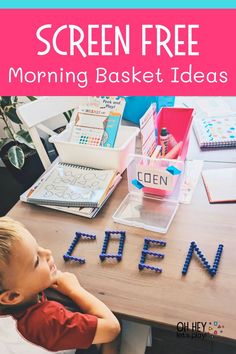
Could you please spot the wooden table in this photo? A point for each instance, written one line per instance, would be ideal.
(156, 299)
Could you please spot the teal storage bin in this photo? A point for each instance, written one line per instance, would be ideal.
(136, 106)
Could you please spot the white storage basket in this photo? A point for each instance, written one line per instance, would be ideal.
(98, 157)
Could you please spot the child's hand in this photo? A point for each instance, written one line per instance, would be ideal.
(66, 283)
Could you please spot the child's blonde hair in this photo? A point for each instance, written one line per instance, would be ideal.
(10, 231)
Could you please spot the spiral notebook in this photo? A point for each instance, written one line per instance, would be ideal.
(80, 211)
(216, 132)
(73, 186)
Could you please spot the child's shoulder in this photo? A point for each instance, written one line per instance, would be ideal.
(18, 310)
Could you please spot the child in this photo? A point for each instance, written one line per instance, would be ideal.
(26, 269)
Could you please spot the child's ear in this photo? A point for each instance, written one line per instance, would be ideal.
(10, 297)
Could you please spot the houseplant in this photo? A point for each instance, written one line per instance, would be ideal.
(16, 147)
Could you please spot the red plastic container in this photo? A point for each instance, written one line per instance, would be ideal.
(178, 122)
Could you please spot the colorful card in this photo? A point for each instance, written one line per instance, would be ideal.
(111, 130)
(89, 128)
(87, 136)
(92, 117)
(115, 104)
(147, 128)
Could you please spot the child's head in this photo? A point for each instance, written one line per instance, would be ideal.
(25, 267)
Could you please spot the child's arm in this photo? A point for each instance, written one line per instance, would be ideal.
(108, 326)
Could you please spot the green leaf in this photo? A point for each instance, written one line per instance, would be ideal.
(8, 132)
(12, 115)
(16, 157)
(71, 112)
(2, 142)
(66, 116)
(31, 98)
(22, 136)
(5, 101)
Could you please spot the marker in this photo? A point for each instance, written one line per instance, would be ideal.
(164, 141)
(174, 152)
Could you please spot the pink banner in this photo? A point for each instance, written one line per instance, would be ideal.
(118, 52)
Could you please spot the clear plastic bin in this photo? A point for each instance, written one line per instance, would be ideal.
(147, 211)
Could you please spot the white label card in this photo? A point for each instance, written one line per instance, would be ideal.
(91, 121)
(155, 178)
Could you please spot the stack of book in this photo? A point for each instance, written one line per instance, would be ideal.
(98, 125)
(74, 189)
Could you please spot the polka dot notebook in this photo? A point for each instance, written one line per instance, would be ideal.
(214, 132)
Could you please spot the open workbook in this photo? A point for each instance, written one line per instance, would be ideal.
(80, 211)
(67, 185)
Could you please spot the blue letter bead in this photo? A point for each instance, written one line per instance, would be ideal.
(205, 263)
(140, 266)
(142, 259)
(159, 270)
(217, 261)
